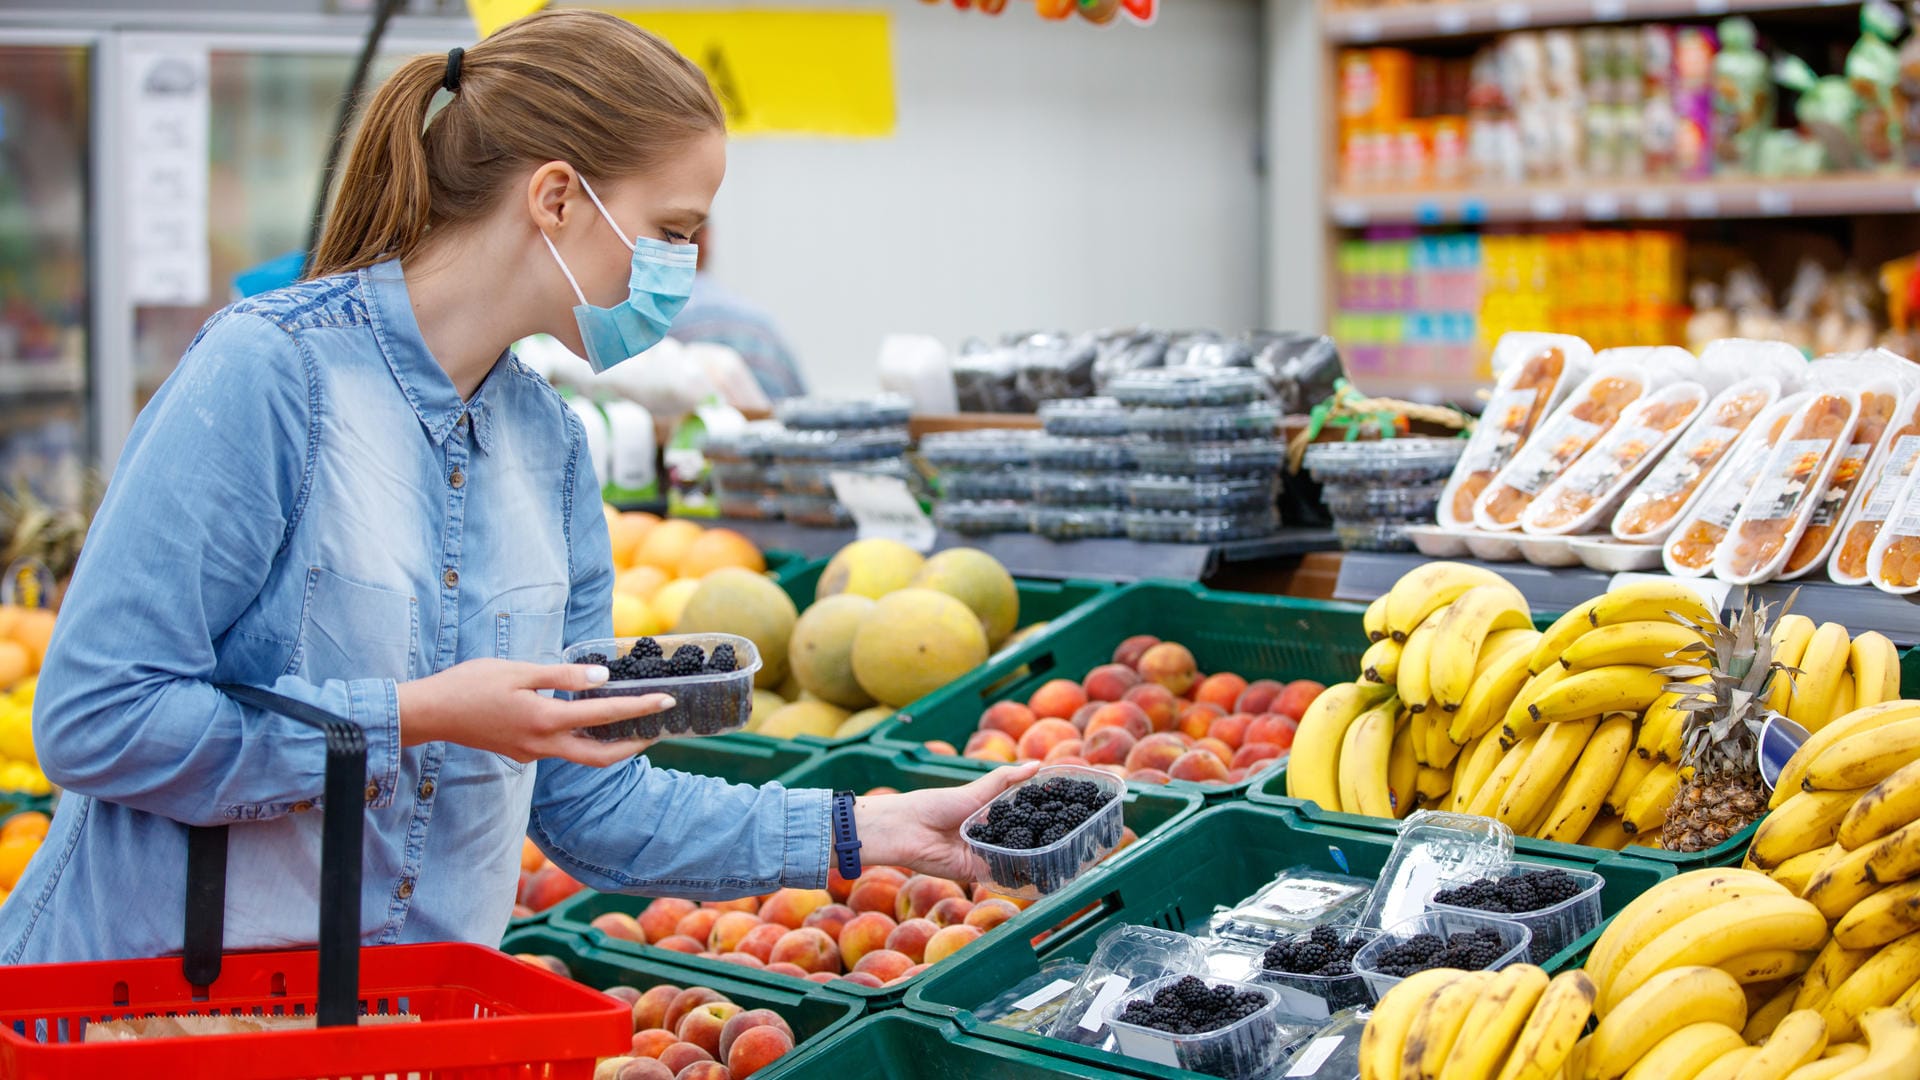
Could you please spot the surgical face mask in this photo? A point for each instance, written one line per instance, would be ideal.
(662, 279)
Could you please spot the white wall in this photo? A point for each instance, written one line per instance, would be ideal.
(1043, 175)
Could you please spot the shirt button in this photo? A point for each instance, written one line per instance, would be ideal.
(302, 806)
(373, 792)
(457, 478)
(451, 577)
(406, 888)
(426, 789)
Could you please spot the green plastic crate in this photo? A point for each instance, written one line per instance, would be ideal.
(1219, 857)
(784, 566)
(900, 1044)
(1150, 812)
(1255, 636)
(815, 1020)
(759, 762)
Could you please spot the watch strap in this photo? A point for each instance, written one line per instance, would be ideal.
(846, 838)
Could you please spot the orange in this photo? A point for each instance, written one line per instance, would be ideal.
(531, 857)
(718, 549)
(31, 825)
(33, 630)
(627, 531)
(15, 663)
(641, 581)
(13, 859)
(667, 544)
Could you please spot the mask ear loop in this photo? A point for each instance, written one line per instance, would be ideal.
(611, 224)
(563, 266)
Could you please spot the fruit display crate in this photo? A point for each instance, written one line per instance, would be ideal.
(1149, 812)
(760, 761)
(1219, 857)
(1272, 791)
(897, 1044)
(815, 1019)
(1254, 636)
(784, 566)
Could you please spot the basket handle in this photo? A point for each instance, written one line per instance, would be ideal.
(343, 828)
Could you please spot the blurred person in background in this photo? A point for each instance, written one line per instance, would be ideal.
(716, 314)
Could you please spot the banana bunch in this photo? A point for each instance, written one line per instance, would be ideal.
(1511, 1024)
(1837, 674)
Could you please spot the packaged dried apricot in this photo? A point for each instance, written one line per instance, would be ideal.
(1665, 495)
(1847, 565)
(1583, 494)
(1880, 404)
(1690, 548)
(1893, 565)
(1587, 414)
(1783, 499)
(1534, 371)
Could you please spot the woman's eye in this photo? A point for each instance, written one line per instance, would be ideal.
(676, 238)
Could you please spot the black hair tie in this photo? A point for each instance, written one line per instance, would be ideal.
(451, 80)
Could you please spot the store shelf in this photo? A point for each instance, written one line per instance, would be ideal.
(1430, 21)
(25, 380)
(1694, 200)
(1364, 576)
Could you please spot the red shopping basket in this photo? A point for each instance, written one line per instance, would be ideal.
(482, 1015)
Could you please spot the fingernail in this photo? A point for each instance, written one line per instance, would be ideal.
(667, 702)
(596, 674)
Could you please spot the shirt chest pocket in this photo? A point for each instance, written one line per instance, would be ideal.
(353, 631)
(530, 623)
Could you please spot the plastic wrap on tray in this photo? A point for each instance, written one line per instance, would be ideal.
(1690, 547)
(1533, 371)
(1188, 387)
(1187, 527)
(1071, 455)
(745, 477)
(807, 479)
(1665, 495)
(835, 447)
(1301, 369)
(1878, 494)
(986, 379)
(1788, 491)
(1032, 1004)
(749, 445)
(985, 485)
(1077, 523)
(1097, 417)
(1296, 901)
(1118, 352)
(1256, 420)
(987, 448)
(1091, 489)
(1580, 498)
(748, 506)
(1357, 503)
(1053, 366)
(1248, 458)
(1881, 406)
(1374, 535)
(980, 518)
(820, 512)
(1384, 461)
(844, 413)
(1219, 494)
(1583, 419)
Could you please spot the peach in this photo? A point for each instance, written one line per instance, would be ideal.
(760, 941)
(626, 994)
(941, 747)
(949, 912)
(1072, 748)
(1259, 697)
(747, 1021)
(1222, 690)
(681, 1056)
(861, 978)
(744, 959)
(1110, 746)
(1117, 770)
(704, 1070)
(531, 857)
(1009, 717)
(1127, 837)
(1057, 700)
(790, 907)
(1272, 728)
(1199, 766)
(651, 1010)
(838, 887)
(878, 896)
(1254, 753)
(988, 914)
(1085, 713)
(951, 940)
(1161, 707)
(791, 971)
(547, 887)
(1158, 751)
(1109, 681)
(992, 746)
(698, 924)
(1217, 748)
(1148, 776)
(652, 1042)
(1231, 730)
(1132, 649)
(642, 1068)
(1236, 776)
(756, 1049)
(833, 918)
(686, 1001)
(921, 892)
(662, 917)
(708, 954)
(1043, 736)
(1298, 696)
(1070, 759)
(911, 937)
(729, 930)
(822, 977)
(522, 911)
(807, 949)
(884, 964)
(1124, 715)
(552, 964)
(1170, 665)
(1197, 717)
(702, 1025)
(748, 904)
(623, 927)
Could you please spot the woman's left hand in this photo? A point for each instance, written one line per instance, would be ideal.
(920, 830)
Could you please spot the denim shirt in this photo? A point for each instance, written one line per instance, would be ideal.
(308, 505)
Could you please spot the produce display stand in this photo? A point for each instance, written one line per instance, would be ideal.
(897, 1044)
(815, 1018)
(1149, 812)
(1219, 857)
(1252, 635)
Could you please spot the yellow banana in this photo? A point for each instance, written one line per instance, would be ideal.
(1411, 681)
(1455, 653)
(1547, 1038)
(1565, 631)
(1600, 764)
(1532, 790)
(1647, 808)
(1888, 805)
(1834, 965)
(1870, 718)
(1842, 698)
(1494, 1023)
(1438, 1025)
(1608, 832)
(1385, 1036)
(1889, 914)
(1895, 856)
(1633, 771)
(1422, 724)
(1402, 771)
(1374, 621)
(1486, 801)
(1426, 589)
(1909, 1002)
(1518, 722)
(1313, 765)
(1790, 636)
(1730, 929)
(1470, 770)
(1796, 873)
(1363, 762)
(1654, 643)
(1619, 688)
(1494, 687)
(1728, 1065)
(1876, 669)
(1893, 1048)
(1660, 728)
(1767, 965)
(1668, 1002)
(1863, 760)
(1822, 667)
(1836, 1059)
(1807, 821)
(1797, 1039)
(1665, 906)
(1686, 1052)
(1649, 600)
(1431, 786)
(1879, 983)
(1380, 664)
(1762, 1022)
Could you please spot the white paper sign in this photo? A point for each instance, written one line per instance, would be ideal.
(165, 180)
(882, 506)
(1043, 995)
(1111, 991)
(1315, 1055)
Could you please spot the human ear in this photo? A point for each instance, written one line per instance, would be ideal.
(549, 190)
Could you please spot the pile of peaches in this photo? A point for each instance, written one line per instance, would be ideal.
(1150, 717)
(690, 1034)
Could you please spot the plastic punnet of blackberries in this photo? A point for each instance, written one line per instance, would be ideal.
(1040, 835)
(1203, 1025)
(709, 677)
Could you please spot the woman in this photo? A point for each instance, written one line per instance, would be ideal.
(351, 493)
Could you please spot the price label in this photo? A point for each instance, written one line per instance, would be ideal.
(1609, 10)
(883, 507)
(1653, 204)
(1702, 204)
(1043, 995)
(1603, 206)
(1315, 1055)
(1548, 207)
(1774, 203)
(1110, 991)
(1712, 591)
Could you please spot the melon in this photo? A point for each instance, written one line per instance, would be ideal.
(821, 650)
(977, 580)
(816, 718)
(864, 721)
(914, 642)
(869, 568)
(735, 601)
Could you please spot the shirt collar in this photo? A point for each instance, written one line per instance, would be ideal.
(422, 380)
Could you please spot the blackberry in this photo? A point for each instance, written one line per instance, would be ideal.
(687, 660)
(646, 649)
(1191, 1007)
(1468, 950)
(1046, 811)
(651, 669)
(722, 659)
(1318, 953)
(1535, 890)
(594, 658)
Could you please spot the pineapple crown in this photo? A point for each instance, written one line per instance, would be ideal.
(1722, 685)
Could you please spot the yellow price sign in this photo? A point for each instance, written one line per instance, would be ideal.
(491, 15)
(789, 72)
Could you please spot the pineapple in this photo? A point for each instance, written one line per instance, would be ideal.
(1721, 791)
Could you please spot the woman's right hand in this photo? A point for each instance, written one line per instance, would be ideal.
(496, 705)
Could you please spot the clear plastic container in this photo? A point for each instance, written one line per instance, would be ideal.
(1553, 928)
(1581, 421)
(1334, 1051)
(748, 445)
(1533, 372)
(1188, 387)
(1248, 1048)
(1847, 564)
(1382, 502)
(1051, 452)
(707, 704)
(747, 506)
(985, 485)
(1106, 490)
(1683, 474)
(1516, 938)
(1584, 496)
(1437, 541)
(745, 476)
(1189, 425)
(1126, 958)
(815, 511)
(1435, 848)
(1295, 902)
(1187, 527)
(801, 479)
(1098, 417)
(1032, 1004)
(987, 448)
(1373, 536)
(1782, 501)
(1037, 872)
(1068, 523)
(1249, 458)
(1879, 408)
(1893, 564)
(1385, 461)
(1321, 996)
(1228, 494)
(844, 413)
(1689, 549)
(836, 447)
(979, 518)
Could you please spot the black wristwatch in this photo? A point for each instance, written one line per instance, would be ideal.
(846, 838)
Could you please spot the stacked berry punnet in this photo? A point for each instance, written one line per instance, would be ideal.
(1321, 953)
(1468, 950)
(647, 661)
(1536, 890)
(1191, 1007)
(1040, 814)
